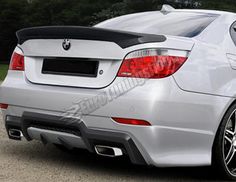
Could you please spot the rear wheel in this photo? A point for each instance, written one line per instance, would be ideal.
(224, 149)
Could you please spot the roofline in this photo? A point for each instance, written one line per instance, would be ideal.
(205, 11)
(166, 8)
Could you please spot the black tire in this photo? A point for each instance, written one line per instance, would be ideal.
(218, 153)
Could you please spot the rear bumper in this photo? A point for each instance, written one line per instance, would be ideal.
(36, 126)
(183, 123)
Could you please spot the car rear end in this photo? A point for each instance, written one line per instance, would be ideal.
(109, 91)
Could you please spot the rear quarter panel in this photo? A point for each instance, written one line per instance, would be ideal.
(207, 69)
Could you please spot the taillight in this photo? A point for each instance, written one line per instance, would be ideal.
(3, 106)
(132, 121)
(17, 62)
(152, 63)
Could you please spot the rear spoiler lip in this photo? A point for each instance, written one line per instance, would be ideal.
(122, 38)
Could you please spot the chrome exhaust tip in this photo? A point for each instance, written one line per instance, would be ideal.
(15, 134)
(108, 151)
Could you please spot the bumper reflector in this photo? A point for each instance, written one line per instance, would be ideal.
(3, 106)
(132, 122)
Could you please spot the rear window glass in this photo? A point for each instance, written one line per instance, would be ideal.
(175, 23)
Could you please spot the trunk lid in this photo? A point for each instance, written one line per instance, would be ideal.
(105, 57)
(93, 58)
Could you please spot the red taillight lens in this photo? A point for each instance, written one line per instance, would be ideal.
(3, 106)
(150, 64)
(17, 62)
(131, 121)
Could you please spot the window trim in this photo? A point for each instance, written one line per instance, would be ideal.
(232, 32)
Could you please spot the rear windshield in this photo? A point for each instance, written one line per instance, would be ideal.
(183, 24)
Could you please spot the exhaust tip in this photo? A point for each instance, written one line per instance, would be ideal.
(15, 134)
(108, 151)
